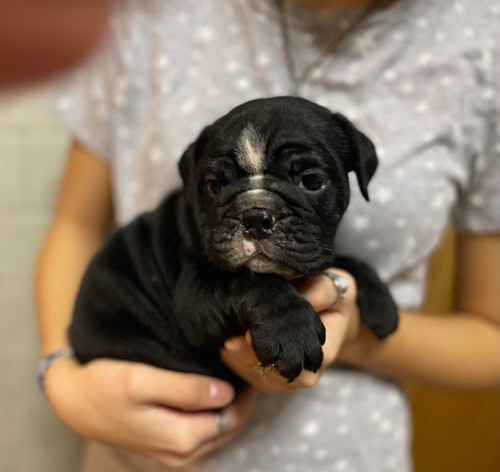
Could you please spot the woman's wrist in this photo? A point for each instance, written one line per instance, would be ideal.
(357, 348)
(362, 348)
(48, 362)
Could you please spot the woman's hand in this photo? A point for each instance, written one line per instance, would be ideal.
(161, 414)
(341, 323)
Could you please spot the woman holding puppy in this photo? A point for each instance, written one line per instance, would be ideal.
(420, 79)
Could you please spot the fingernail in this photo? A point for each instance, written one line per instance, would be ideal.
(231, 345)
(220, 392)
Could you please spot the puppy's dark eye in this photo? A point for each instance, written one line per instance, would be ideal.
(312, 182)
(214, 186)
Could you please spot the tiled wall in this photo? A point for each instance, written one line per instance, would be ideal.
(32, 151)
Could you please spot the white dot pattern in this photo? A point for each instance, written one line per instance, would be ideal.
(421, 78)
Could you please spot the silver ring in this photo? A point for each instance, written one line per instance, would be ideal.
(223, 421)
(341, 285)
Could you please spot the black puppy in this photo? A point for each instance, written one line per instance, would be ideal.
(265, 188)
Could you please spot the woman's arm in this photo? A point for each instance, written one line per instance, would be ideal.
(161, 414)
(80, 224)
(460, 351)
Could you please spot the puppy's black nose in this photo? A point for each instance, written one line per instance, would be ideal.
(258, 222)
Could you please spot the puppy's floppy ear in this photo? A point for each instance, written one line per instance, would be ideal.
(192, 154)
(358, 153)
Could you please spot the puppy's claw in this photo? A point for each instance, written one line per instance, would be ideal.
(289, 373)
(313, 360)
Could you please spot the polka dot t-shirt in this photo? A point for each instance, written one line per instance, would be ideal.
(420, 77)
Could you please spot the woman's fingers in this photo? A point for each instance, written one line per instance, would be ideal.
(194, 446)
(188, 392)
(340, 320)
(240, 357)
(165, 415)
(321, 293)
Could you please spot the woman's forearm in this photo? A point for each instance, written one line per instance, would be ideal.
(62, 260)
(81, 222)
(459, 351)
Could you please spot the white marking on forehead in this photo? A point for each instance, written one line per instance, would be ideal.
(256, 182)
(250, 150)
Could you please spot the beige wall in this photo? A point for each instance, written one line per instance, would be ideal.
(32, 150)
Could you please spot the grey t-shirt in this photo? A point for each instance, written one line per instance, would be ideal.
(420, 77)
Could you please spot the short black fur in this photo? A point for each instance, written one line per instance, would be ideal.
(170, 287)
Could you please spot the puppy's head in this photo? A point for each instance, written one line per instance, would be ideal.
(266, 185)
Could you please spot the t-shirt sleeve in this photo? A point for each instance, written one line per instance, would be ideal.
(83, 100)
(478, 209)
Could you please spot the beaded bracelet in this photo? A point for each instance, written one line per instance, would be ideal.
(49, 361)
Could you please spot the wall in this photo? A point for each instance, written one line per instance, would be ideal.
(32, 151)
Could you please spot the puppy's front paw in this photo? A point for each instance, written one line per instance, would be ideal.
(377, 308)
(291, 339)
(379, 313)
